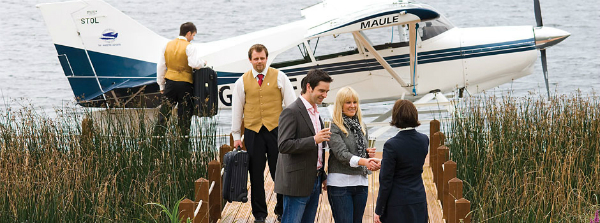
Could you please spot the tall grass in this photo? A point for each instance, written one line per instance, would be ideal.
(53, 170)
(528, 159)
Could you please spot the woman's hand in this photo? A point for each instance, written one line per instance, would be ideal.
(376, 219)
(371, 152)
(374, 164)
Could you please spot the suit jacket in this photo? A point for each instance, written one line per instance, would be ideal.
(297, 161)
(400, 181)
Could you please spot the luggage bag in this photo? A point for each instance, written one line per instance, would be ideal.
(205, 92)
(235, 178)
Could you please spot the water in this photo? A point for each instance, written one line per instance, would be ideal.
(30, 72)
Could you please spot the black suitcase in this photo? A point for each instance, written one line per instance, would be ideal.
(205, 92)
(235, 178)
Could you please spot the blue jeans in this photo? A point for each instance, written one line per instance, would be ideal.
(347, 203)
(301, 209)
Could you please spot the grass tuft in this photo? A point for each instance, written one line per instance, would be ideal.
(96, 166)
(528, 159)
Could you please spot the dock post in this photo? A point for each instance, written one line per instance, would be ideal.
(435, 143)
(434, 126)
(186, 209)
(449, 173)
(455, 187)
(442, 156)
(463, 207)
(201, 196)
(215, 197)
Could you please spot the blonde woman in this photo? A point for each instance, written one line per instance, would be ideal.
(350, 160)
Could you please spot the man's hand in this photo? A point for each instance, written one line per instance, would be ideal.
(371, 152)
(376, 219)
(162, 91)
(374, 164)
(322, 136)
(237, 143)
(324, 185)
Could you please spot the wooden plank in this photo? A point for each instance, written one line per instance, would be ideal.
(373, 192)
(324, 209)
(434, 207)
(241, 212)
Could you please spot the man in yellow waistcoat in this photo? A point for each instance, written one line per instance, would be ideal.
(258, 96)
(174, 78)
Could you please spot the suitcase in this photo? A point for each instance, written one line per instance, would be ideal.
(205, 92)
(235, 178)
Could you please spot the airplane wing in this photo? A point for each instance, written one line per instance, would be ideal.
(364, 16)
(356, 16)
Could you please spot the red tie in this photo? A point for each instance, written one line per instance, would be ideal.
(260, 79)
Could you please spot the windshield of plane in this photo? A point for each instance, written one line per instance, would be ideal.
(430, 29)
(327, 47)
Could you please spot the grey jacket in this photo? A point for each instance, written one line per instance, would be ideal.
(341, 150)
(298, 152)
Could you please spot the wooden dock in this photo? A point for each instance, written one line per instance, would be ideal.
(242, 212)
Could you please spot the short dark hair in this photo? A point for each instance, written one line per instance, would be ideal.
(187, 27)
(258, 48)
(404, 114)
(313, 77)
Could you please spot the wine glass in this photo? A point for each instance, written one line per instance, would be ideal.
(372, 141)
(326, 123)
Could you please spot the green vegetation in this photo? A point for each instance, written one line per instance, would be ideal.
(528, 159)
(59, 170)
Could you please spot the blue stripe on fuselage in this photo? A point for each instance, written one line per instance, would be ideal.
(113, 70)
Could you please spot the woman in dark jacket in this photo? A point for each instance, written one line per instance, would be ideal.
(402, 195)
(350, 160)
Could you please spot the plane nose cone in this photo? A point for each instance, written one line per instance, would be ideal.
(547, 36)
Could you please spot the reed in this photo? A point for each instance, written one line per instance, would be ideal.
(528, 159)
(106, 169)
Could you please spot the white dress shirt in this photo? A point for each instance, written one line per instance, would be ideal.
(239, 98)
(194, 61)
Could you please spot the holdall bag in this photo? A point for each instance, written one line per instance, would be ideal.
(235, 178)
(205, 92)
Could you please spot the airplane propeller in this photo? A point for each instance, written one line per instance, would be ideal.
(538, 20)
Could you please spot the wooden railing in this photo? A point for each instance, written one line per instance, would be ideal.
(208, 199)
(449, 188)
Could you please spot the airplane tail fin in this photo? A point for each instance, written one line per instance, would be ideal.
(102, 50)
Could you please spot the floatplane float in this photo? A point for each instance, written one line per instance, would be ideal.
(385, 49)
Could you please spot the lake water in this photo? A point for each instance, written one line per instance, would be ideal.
(30, 73)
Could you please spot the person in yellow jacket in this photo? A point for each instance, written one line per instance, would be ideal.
(258, 98)
(174, 78)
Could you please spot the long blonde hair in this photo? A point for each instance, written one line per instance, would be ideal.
(343, 95)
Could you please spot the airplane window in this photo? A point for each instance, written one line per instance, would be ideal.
(327, 47)
(388, 37)
(430, 29)
(292, 56)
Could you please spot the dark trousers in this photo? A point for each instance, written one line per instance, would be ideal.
(262, 146)
(347, 203)
(178, 93)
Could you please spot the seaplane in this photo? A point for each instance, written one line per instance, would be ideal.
(385, 49)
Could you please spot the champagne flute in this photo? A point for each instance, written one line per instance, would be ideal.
(372, 141)
(326, 123)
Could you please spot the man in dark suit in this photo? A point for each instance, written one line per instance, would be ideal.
(300, 165)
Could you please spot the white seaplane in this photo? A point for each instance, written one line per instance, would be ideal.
(385, 49)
